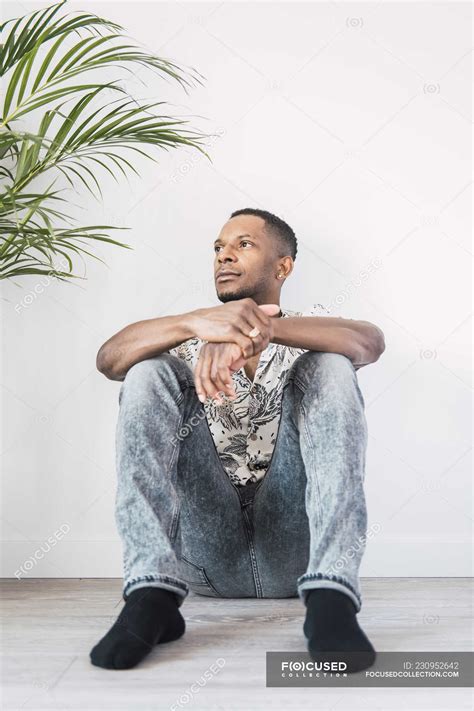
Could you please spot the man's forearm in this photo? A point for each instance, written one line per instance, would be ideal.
(360, 341)
(139, 341)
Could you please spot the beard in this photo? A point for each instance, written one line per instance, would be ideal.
(243, 293)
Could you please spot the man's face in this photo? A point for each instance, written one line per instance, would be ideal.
(245, 248)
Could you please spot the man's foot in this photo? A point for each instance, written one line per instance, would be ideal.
(333, 632)
(149, 616)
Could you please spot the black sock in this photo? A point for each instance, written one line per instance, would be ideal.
(149, 616)
(333, 632)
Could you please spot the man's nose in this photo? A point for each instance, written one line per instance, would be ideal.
(225, 255)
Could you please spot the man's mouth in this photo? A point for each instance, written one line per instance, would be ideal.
(224, 276)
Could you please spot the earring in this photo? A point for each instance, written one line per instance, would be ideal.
(280, 275)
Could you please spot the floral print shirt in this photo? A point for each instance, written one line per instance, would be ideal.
(244, 430)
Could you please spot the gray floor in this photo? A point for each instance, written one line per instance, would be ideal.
(49, 627)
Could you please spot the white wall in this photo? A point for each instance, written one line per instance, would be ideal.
(352, 121)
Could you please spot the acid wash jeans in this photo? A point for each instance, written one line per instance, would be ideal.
(183, 523)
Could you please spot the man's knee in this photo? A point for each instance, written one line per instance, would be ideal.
(322, 363)
(331, 375)
(147, 369)
(152, 373)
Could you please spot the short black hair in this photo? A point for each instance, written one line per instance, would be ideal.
(278, 227)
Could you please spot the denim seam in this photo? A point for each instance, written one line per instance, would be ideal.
(253, 558)
(174, 522)
(332, 577)
(205, 579)
(313, 458)
(158, 579)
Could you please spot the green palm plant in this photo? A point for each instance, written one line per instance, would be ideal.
(50, 64)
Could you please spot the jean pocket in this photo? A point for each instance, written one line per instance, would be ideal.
(195, 576)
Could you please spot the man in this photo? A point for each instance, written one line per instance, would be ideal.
(241, 446)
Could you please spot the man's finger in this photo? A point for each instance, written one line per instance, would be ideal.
(220, 376)
(200, 392)
(225, 364)
(270, 309)
(214, 372)
(244, 342)
(209, 387)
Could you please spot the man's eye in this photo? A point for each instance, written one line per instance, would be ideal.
(216, 248)
(245, 242)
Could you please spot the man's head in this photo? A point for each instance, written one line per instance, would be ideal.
(259, 248)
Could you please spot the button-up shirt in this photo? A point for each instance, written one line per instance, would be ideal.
(244, 430)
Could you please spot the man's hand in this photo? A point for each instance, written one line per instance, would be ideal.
(232, 322)
(217, 361)
(213, 372)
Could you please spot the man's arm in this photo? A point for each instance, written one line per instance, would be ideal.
(362, 342)
(139, 341)
(229, 323)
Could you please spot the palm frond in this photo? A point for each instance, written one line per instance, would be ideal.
(53, 62)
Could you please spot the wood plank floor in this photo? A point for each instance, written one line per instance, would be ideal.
(49, 627)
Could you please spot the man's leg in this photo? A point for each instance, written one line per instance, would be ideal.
(309, 511)
(177, 511)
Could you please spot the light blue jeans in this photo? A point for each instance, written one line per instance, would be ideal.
(183, 523)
